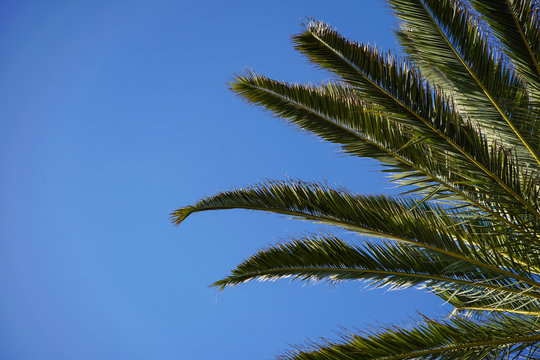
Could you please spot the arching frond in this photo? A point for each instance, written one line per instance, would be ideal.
(335, 113)
(514, 337)
(381, 264)
(399, 219)
(429, 71)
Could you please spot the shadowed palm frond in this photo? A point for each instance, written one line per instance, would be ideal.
(395, 265)
(513, 337)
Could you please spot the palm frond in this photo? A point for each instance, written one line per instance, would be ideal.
(514, 337)
(475, 302)
(445, 35)
(431, 73)
(400, 93)
(517, 26)
(384, 264)
(335, 113)
(380, 216)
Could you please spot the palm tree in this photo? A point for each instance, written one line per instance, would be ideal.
(457, 122)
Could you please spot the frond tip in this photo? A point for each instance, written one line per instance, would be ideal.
(179, 215)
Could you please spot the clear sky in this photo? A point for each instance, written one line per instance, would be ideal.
(113, 114)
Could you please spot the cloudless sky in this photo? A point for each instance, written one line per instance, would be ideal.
(113, 114)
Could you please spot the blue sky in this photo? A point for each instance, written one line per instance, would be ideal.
(113, 114)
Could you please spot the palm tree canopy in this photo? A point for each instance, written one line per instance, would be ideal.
(456, 122)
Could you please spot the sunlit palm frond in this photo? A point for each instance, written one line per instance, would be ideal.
(516, 24)
(473, 301)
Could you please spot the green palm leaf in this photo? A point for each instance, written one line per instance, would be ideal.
(510, 336)
(403, 220)
(381, 264)
(473, 301)
(399, 92)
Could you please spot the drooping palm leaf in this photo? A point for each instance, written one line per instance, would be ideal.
(510, 337)
(381, 264)
(335, 113)
(399, 219)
